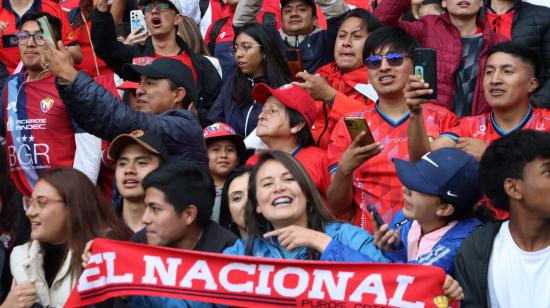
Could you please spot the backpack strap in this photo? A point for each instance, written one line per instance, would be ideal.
(214, 33)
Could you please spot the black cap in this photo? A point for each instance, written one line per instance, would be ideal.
(308, 2)
(150, 141)
(175, 70)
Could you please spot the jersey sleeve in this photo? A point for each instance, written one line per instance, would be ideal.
(338, 143)
(459, 130)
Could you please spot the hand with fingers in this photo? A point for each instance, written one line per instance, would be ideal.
(386, 239)
(316, 86)
(355, 155)
(138, 36)
(3, 26)
(472, 146)
(452, 289)
(102, 5)
(293, 237)
(87, 253)
(414, 92)
(59, 61)
(22, 295)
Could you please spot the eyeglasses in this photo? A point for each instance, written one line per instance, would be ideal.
(38, 202)
(244, 47)
(23, 38)
(161, 6)
(394, 59)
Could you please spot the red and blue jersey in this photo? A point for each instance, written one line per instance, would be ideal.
(485, 128)
(314, 161)
(375, 181)
(40, 134)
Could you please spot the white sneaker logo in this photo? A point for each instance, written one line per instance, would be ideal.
(429, 160)
(450, 194)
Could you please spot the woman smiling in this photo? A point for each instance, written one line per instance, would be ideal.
(287, 219)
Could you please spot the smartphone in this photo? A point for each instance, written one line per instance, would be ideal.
(137, 20)
(355, 126)
(425, 67)
(294, 63)
(376, 215)
(47, 30)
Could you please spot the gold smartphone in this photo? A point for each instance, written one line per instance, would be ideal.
(47, 30)
(355, 126)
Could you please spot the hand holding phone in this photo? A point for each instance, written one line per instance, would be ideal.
(357, 125)
(425, 67)
(47, 30)
(294, 63)
(377, 218)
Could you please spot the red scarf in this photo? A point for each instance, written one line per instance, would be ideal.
(345, 82)
(122, 268)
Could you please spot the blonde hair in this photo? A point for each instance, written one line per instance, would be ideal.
(190, 33)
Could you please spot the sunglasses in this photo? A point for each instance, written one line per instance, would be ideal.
(393, 58)
(161, 6)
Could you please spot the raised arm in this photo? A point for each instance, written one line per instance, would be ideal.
(246, 12)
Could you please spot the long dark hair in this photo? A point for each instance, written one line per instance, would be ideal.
(7, 194)
(89, 216)
(275, 69)
(317, 213)
(225, 215)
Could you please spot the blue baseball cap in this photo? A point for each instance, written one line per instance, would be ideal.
(447, 172)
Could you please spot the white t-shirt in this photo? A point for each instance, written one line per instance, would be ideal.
(518, 278)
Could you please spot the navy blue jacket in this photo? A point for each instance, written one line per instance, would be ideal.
(100, 113)
(225, 109)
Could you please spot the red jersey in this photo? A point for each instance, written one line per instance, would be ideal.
(484, 127)
(375, 182)
(314, 160)
(9, 51)
(40, 134)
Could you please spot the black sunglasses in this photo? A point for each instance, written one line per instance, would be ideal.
(393, 58)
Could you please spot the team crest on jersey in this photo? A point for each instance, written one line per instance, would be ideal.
(46, 104)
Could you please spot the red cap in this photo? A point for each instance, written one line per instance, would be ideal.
(219, 129)
(128, 85)
(292, 96)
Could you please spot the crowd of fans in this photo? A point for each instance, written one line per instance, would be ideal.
(221, 126)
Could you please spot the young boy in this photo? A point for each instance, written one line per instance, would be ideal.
(226, 151)
(440, 192)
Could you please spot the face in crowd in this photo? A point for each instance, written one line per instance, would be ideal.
(273, 121)
(237, 196)
(279, 196)
(462, 8)
(222, 157)
(161, 18)
(424, 208)
(297, 18)
(158, 95)
(508, 81)
(133, 164)
(48, 214)
(389, 71)
(348, 50)
(31, 42)
(249, 55)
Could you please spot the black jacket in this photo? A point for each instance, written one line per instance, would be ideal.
(116, 54)
(98, 112)
(472, 265)
(214, 238)
(531, 28)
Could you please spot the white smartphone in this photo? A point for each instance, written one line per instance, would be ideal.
(137, 20)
